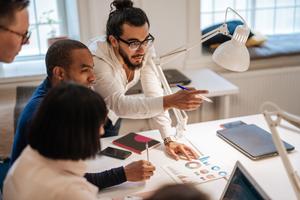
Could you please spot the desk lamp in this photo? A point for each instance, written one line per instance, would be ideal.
(232, 55)
(273, 119)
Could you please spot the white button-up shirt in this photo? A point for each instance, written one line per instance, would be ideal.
(35, 177)
(112, 84)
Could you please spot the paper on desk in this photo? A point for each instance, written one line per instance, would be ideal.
(137, 196)
(195, 171)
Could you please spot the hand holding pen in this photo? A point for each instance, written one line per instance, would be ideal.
(201, 96)
(140, 170)
(185, 99)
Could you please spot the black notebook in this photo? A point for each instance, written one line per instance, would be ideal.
(251, 140)
(135, 142)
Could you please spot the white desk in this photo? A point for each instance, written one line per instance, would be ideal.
(206, 79)
(269, 173)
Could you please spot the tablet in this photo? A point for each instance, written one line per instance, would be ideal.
(242, 186)
(251, 140)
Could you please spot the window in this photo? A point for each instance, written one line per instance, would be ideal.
(265, 16)
(47, 19)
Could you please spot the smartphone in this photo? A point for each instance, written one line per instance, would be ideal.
(116, 153)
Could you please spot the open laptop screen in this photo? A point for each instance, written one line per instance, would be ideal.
(241, 186)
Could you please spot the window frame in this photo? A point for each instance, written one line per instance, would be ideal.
(251, 11)
(62, 13)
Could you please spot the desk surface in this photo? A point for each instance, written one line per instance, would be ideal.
(206, 79)
(269, 173)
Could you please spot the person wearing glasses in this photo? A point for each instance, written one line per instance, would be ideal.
(14, 23)
(121, 58)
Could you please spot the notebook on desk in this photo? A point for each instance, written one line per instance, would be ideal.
(241, 185)
(136, 142)
(251, 140)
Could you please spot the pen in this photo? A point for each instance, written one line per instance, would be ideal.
(147, 149)
(201, 96)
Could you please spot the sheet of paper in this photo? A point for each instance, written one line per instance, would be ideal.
(195, 171)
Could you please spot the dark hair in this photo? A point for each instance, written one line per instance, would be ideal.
(8, 9)
(67, 123)
(178, 192)
(59, 54)
(124, 13)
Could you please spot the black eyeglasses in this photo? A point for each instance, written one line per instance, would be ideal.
(136, 44)
(25, 36)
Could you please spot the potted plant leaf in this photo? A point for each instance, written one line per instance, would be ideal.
(48, 19)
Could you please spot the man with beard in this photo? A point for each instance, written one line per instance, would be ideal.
(121, 59)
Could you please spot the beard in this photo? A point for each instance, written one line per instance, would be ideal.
(127, 61)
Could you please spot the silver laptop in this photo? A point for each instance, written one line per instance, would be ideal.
(242, 186)
(251, 140)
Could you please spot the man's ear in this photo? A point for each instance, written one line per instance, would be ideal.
(59, 73)
(113, 41)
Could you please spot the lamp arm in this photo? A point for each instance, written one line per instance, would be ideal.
(227, 9)
(181, 50)
(281, 114)
(180, 115)
(223, 29)
(295, 120)
(181, 124)
(292, 174)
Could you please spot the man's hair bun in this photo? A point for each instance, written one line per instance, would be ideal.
(122, 4)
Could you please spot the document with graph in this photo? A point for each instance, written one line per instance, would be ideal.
(195, 171)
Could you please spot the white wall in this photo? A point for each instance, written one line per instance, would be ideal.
(168, 23)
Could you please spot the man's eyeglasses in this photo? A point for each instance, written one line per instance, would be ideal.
(136, 44)
(25, 36)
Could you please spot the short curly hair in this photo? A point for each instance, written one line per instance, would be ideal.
(59, 54)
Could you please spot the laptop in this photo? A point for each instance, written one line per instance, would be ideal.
(252, 141)
(242, 186)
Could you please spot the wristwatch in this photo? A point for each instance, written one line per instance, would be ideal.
(169, 139)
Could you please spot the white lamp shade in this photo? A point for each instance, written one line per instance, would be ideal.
(233, 56)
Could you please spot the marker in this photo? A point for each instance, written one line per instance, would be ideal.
(201, 96)
(147, 148)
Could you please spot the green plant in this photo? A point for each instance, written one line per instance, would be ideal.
(47, 18)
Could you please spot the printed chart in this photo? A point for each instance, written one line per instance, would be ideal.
(195, 171)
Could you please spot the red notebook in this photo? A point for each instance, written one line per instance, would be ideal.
(135, 142)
